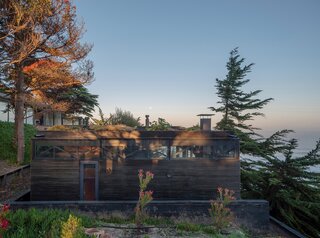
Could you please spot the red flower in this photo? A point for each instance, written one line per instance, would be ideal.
(149, 174)
(4, 223)
(140, 173)
(149, 193)
(5, 207)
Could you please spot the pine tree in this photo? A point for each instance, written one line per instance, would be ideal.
(78, 98)
(290, 184)
(34, 31)
(238, 107)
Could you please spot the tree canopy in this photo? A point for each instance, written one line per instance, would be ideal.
(78, 100)
(290, 184)
(238, 107)
(40, 48)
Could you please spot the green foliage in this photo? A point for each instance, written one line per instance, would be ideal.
(287, 182)
(194, 128)
(122, 117)
(160, 125)
(102, 121)
(7, 149)
(238, 107)
(187, 226)
(78, 97)
(54, 223)
(34, 223)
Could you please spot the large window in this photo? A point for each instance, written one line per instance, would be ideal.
(135, 149)
(49, 150)
(146, 149)
(184, 152)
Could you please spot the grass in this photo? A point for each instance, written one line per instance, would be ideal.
(49, 223)
(8, 151)
(41, 223)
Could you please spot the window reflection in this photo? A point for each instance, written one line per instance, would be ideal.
(67, 152)
(184, 152)
(146, 149)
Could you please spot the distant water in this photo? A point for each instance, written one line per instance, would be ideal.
(300, 152)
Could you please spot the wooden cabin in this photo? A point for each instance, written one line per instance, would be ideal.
(103, 165)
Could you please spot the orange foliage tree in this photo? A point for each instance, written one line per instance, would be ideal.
(40, 49)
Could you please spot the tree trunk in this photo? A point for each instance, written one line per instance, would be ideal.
(19, 115)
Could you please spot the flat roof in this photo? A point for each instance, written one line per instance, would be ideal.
(133, 134)
(205, 115)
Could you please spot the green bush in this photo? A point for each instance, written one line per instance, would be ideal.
(34, 223)
(7, 149)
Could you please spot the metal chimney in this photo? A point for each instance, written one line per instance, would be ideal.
(205, 121)
(147, 121)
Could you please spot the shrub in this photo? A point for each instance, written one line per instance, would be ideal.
(35, 223)
(221, 215)
(72, 228)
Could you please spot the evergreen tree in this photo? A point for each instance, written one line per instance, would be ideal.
(80, 101)
(290, 184)
(238, 107)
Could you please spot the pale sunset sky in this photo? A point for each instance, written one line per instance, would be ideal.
(162, 57)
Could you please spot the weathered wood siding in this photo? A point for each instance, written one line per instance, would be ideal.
(55, 180)
(174, 179)
(187, 165)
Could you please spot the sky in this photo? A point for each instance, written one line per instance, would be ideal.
(162, 57)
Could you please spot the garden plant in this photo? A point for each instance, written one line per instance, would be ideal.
(145, 197)
(4, 222)
(221, 215)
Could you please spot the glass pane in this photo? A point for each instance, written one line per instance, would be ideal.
(44, 152)
(89, 152)
(89, 171)
(145, 150)
(194, 151)
(224, 149)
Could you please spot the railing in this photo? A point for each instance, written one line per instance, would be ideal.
(285, 228)
(19, 171)
(14, 182)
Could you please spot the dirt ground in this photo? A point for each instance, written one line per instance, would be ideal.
(128, 231)
(111, 230)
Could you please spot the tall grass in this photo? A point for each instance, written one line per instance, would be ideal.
(7, 149)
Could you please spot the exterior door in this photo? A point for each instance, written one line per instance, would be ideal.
(89, 180)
